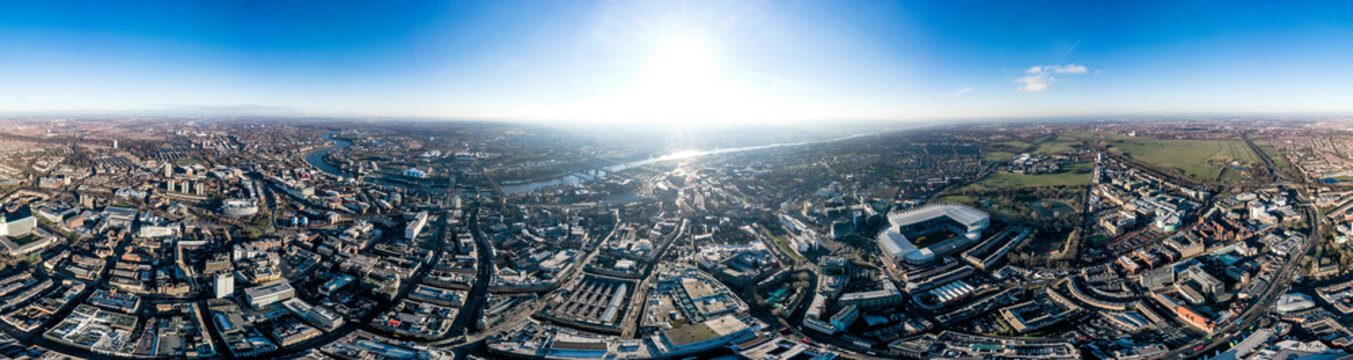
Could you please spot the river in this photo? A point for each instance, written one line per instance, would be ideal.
(316, 159)
(679, 155)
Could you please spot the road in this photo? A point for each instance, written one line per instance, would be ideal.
(474, 301)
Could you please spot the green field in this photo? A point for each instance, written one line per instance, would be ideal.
(1272, 153)
(1201, 159)
(783, 244)
(1075, 174)
(1231, 176)
(1047, 145)
(1016, 144)
(963, 199)
(1055, 146)
(996, 155)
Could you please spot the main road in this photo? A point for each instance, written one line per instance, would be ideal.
(474, 301)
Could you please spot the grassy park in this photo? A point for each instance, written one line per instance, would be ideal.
(1071, 175)
(1054, 146)
(1201, 159)
(996, 155)
(1272, 153)
(1047, 145)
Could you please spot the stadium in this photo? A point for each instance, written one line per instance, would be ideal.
(908, 228)
(239, 207)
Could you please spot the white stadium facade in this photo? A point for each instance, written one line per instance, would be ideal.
(239, 207)
(908, 224)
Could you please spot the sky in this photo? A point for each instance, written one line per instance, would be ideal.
(684, 62)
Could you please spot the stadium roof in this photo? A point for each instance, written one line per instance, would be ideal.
(896, 244)
(1293, 302)
(960, 213)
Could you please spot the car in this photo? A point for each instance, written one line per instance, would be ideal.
(784, 330)
(807, 341)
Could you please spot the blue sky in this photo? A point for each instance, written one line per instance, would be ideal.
(680, 61)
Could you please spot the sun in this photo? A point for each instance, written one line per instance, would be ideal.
(684, 82)
(682, 69)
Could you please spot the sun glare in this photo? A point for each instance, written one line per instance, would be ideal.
(683, 82)
(681, 69)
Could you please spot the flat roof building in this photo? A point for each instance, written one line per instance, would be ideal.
(264, 295)
(336, 284)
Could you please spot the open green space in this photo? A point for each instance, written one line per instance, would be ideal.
(1272, 153)
(1016, 144)
(1098, 240)
(1071, 175)
(1201, 159)
(962, 199)
(1051, 208)
(1047, 145)
(783, 244)
(1056, 146)
(996, 155)
(1231, 176)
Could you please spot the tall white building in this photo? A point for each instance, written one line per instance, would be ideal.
(224, 285)
(16, 221)
(416, 225)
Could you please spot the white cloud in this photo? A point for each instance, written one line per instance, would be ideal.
(960, 92)
(1068, 69)
(1040, 77)
(1035, 83)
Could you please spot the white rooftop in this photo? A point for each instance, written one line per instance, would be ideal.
(1293, 302)
(962, 214)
